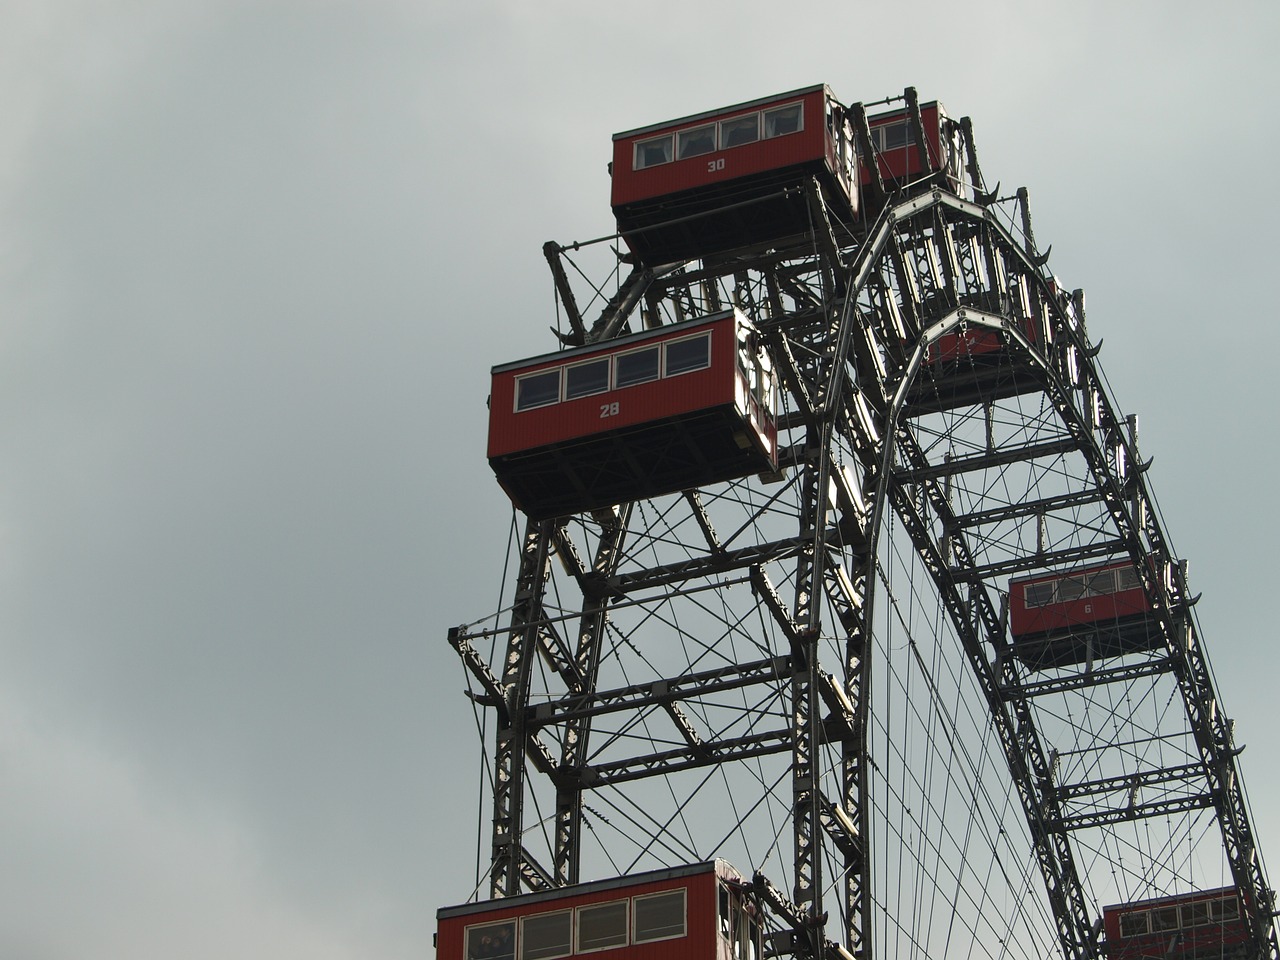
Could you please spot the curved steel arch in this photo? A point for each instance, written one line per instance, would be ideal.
(1068, 379)
(756, 588)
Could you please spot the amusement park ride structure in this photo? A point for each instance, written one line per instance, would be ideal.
(839, 564)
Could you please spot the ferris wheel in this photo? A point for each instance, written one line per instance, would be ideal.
(834, 561)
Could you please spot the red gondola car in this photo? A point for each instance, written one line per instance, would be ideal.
(704, 911)
(1059, 619)
(680, 406)
(729, 178)
(1205, 925)
(899, 156)
(978, 343)
(975, 364)
(975, 342)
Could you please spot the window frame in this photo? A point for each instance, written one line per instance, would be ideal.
(606, 361)
(545, 371)
(1075, 583)
(524, 939)
(1194, 914)
(656, 348)
(667, 344)
(746, 935)
(764, 119)
(724, 140)
(638, 146)
(1127, 578)
(1031, 594)
(1163, 914)
(683, 894)
(1099, 583)
(1131, 917)
(510, 922)
(1231, 903)
(625, 903)
(884, 129)
(700, 128)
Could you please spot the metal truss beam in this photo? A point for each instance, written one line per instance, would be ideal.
(1137, 811)
(1067, 557)
(1126, 673)
(1028, 508)
(698, 568)
(511, 739)
(985, 461)
(667, 762)
(575, 733)
(1129, 783)
(772, 670)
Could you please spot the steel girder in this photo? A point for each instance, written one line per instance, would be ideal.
(826, 571)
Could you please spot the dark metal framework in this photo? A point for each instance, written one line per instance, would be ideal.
(712, 673)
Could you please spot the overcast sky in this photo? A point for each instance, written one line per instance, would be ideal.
(256, 259)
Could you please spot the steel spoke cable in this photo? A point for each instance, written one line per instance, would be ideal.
(915, 653)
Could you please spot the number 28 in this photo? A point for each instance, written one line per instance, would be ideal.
(608, 410)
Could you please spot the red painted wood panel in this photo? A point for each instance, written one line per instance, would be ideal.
(905, 162)
(701, 917)
(511, 431)
(1203, 941)
(1065, 616)
(974, 341)
(808, 146)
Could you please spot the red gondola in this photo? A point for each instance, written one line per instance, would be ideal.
(898, 153)
(979, 344)
(704, 911)
(1205, 925)
(1081, 615)
(732, 177)
(976, 364)
(680, 406)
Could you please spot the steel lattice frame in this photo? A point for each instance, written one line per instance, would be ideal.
(652, 648)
